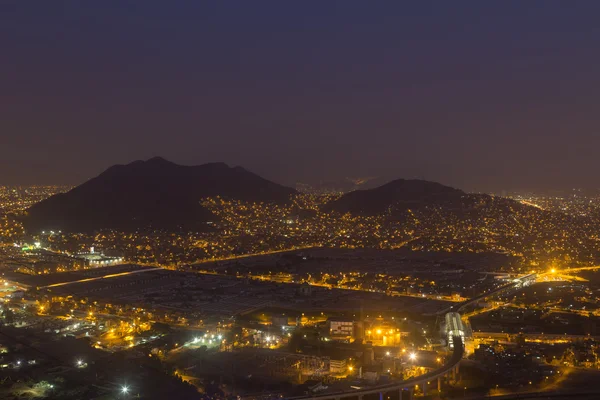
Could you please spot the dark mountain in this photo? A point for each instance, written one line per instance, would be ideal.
(400, 194)
(150, 194)
(341, 186)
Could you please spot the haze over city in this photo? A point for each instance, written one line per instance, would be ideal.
(485, 96)
(334, 200)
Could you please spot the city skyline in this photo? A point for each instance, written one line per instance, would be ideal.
(485, 97)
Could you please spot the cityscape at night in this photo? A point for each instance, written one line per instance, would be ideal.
(299, 201)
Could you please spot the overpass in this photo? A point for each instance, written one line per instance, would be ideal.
(455, 327)
(406, 386)
(516, 283)
(456, 338)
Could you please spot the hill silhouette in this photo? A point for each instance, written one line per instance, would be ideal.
(400, 194)
(154, 194)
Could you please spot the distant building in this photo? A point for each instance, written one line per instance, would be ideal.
(312, 386)
(98, 259)
(340, 328)
(359, 330)
(279, 320)
(368, 356)
(370, 376)
(338, 367)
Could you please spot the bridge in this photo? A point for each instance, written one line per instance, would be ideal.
(407, 386)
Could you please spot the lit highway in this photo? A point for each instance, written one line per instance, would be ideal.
(101, 277)
(263, 253)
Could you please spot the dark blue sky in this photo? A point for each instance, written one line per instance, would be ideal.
(480, 95)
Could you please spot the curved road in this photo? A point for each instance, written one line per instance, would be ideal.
(407, 384)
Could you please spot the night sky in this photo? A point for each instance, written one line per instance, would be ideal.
(480, 95)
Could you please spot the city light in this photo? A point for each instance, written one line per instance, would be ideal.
(286, 287)
(382, 331)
